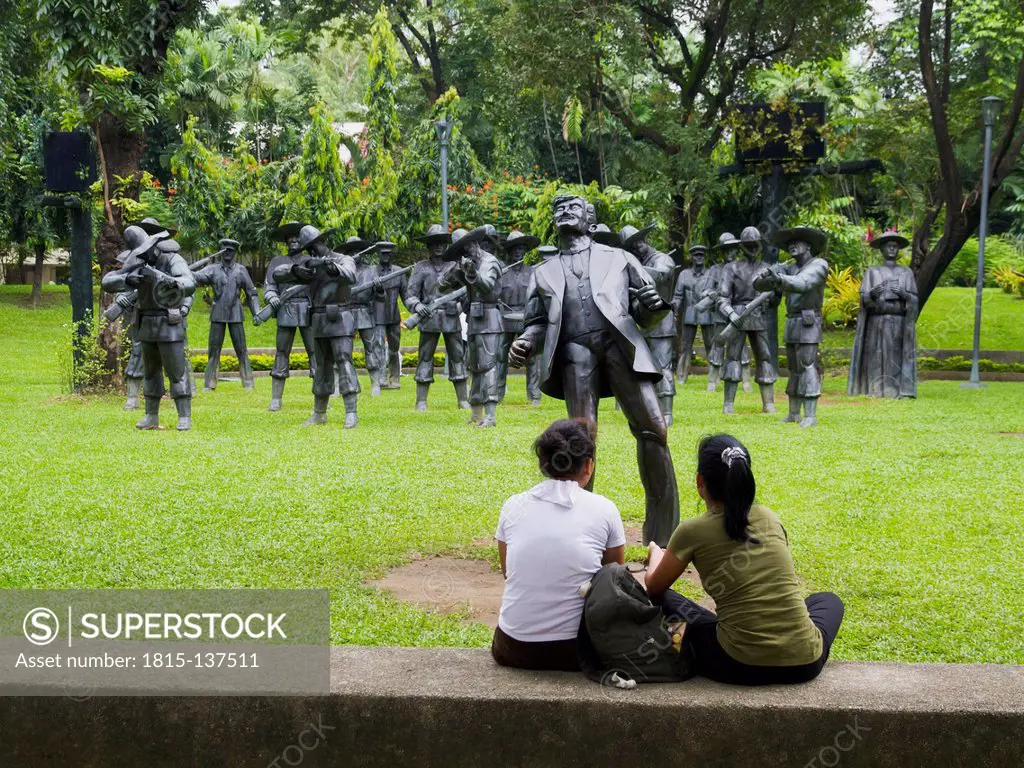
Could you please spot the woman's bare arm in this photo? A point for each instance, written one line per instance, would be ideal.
(502, 552)
(662, 571)
(614, 555)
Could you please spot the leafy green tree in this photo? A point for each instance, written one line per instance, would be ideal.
(201, 191)
(317, 187)
(382, 128)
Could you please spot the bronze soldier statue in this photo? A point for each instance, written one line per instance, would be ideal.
(292, 313)
(660, 337)
(163, 281)
(364, 310)
(884, 359)
(386, 315)
(804, 287)
(477, 268)
(586, 306)
(329, 276)
(514, 284)
(422, 290)
(736, 292)
(228, 279)
(691, 285)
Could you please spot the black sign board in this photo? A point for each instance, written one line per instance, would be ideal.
(68, 162)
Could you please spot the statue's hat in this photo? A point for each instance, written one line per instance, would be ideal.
(726, 240)
(228, 244)
(354, 245)
(600, 233)
(889, 237)
(813, 237)
(630, 235)
(286, 231)
(461, 239)
(695, 249)
(516, 238)
(153, 227)
(436, 234)
(309, 235)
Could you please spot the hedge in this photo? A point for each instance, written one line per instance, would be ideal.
(299, 361)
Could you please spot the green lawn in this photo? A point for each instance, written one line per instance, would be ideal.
(909, 510)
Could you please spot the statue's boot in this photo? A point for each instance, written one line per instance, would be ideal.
(375, 377)
(320, 403)
(477, 415)
(184, 406)
(767, 398)
(394, 372)
(276, 393)
(535, 401)
(666, 409)
(810, 412)
(351, 417)
(152, 418)
(462, 393)
(132, 385)
(490, 416)
(746, 378)
(421, 396)
(730, 396)
(714, 372)
(794, 409)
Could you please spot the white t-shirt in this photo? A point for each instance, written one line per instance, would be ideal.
(556, 534)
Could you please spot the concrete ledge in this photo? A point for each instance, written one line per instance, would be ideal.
(437, 707)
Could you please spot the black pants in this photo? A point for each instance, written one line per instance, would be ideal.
(558, 655)
(711, 661)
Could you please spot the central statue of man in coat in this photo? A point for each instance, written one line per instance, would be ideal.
(588, 306)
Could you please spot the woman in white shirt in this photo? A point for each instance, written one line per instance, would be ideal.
(552, 539)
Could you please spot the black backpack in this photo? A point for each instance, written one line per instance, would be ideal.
(624, 636)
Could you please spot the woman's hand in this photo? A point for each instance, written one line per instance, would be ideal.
(662, 570)
(654, 555)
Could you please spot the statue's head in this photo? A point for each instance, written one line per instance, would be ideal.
(697, 255)
(635, 240)
(437, 240)
(801, 242)
(569, 215)
(141, 244)
(750, 241)
(293, 243)
(891, 250)
(230, 248)
(385, 251)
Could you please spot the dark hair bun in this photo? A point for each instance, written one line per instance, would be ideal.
(564, 447)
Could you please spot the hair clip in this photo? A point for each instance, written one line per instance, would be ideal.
(732, 453)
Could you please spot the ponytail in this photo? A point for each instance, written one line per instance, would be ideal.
(724, 463)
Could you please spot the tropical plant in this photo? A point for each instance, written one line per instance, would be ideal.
(842, 297)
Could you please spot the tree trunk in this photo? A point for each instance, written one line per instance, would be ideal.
(122, 156)
(37, 274)
(929, 267)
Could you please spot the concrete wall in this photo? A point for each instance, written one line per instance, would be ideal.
(432, 707)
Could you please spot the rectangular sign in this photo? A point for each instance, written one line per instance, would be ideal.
(81, 643)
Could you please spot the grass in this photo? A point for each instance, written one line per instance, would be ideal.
(909, 510)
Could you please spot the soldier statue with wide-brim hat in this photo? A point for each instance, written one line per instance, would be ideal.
(736, 292)
(514, 285)
(229, 280)
(386, 315)
(884, 358)
(661, 336)
(478, 269)
(291, 314)
(363, 309)
(803, 285)
(691, 284)
(329, 276)
(163, 281)
(584, 313)
(447, 321)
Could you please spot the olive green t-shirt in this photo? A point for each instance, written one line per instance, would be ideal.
(762, 619)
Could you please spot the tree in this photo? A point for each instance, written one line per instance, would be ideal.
(970, 34)
(317, 188)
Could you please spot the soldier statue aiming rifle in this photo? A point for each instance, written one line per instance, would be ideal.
(163, 281)
(293, 312)
(389, 284)
(364, 312)
(736, 292)
(803, 284)
(479, 270)
(423, 289)
(228, 279)
(329, 276)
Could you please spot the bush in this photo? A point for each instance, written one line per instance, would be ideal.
(299, 361)
(842, 297)
(999, 252)
(1006, 277)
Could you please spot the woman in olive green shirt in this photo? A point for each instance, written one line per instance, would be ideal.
(763, 632)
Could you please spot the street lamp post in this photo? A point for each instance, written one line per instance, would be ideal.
(989, 113)
(444, 130)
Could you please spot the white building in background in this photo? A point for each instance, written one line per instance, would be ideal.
(350, 131)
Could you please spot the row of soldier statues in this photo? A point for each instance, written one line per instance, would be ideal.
(331, 297)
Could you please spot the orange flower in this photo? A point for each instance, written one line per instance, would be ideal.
(172, 191)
